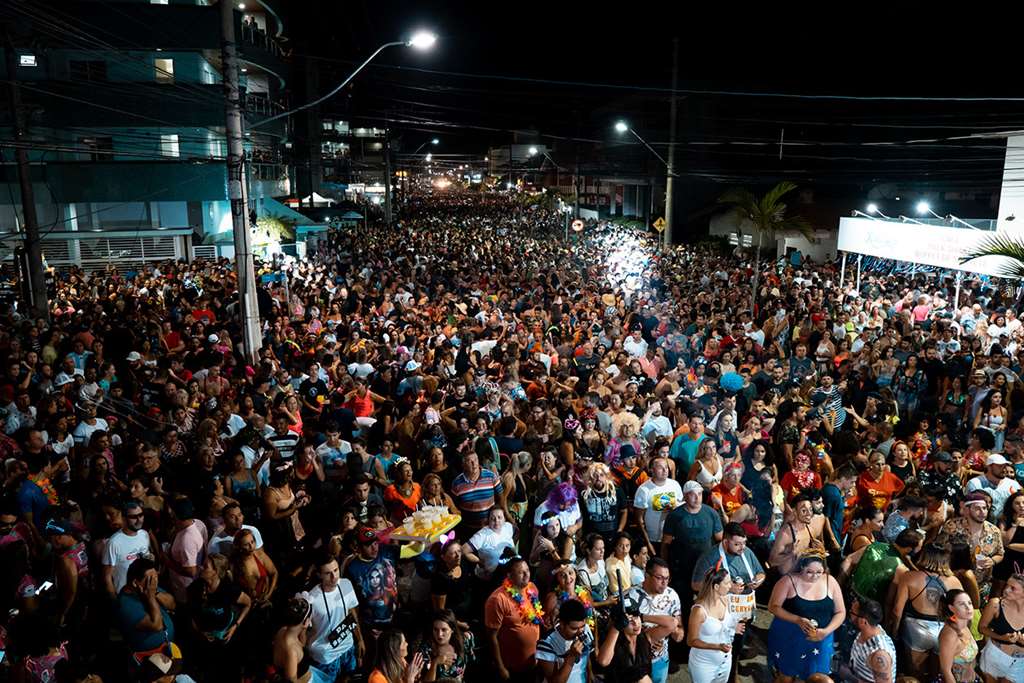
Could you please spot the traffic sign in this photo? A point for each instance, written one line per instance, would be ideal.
(577, 225)
(660, 224)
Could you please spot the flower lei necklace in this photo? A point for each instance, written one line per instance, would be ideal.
(528, 600)
(583, 595)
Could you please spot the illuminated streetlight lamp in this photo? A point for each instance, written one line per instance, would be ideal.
(421, 40)
(533, 151)
(924, 207)
(622, 127)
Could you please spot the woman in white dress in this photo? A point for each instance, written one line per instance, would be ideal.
(712, 629)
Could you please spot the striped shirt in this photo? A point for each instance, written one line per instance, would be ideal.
(554, 647)
(284, 443)
(475, 498)
(862, 651)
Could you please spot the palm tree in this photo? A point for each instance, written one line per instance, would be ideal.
(768, 218)
(1010, 248)
(1000, 244)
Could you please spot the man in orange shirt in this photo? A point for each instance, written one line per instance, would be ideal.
(512, 617)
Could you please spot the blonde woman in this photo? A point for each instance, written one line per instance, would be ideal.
(711, 630)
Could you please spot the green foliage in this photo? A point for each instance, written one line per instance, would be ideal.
(270, 229)
(1011, 248)
(768, 213)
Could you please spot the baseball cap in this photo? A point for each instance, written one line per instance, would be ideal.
(996, 459)
(942, 456)
(134, 356)
(366, 536)
(692, 487)
(213, 339)
(412, 366)
(62, 379)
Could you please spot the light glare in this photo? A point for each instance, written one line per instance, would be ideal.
(422, 40)
(621, 126)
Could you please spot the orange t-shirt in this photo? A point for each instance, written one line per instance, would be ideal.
(378, 677)
(878, 493)
(731, 500)
(517, 639)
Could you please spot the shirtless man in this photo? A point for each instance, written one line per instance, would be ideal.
(918, 603)
(807, 531)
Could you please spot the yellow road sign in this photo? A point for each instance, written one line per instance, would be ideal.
(659, 224)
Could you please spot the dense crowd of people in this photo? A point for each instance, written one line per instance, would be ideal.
(642, 455)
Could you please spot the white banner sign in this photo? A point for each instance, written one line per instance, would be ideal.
(931, 245)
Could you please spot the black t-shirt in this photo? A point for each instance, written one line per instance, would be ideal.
(312, 392)
(214, 613)
(626, 666)
(601, 512)
(345, 419)
(935, 371)
(456, 591)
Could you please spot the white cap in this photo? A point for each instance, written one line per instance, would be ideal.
(692, 487)
(996, 459)
(134, 356)
(62, 379)
(412, 366)
(213, 339)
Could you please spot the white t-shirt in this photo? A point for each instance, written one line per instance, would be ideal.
(489, 545)
(334, 457)
(83, 432)
(360, 370)
(121, 551)
(223, 543)
(657, 501)
(330, 610)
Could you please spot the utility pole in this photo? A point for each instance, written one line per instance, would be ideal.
(670, 179)
(37, 304)
(248, 310)
(387, 177)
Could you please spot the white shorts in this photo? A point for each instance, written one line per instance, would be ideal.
(998, 664)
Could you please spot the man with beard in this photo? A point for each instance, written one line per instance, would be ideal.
(124, 547)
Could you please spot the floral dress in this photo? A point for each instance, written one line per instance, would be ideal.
(457, 669)
(908, 392)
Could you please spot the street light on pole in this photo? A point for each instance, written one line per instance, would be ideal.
(924, 207)
(421, 40)
(622, 127)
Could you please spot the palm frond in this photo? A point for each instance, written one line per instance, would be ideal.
(738, 197)
(774, 195)
(1011, 248)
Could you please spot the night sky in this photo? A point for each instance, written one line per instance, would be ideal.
(606, 61)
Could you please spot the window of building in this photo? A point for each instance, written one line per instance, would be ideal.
(164, 69)
(169, 146)
(99, 148)
(88, 70)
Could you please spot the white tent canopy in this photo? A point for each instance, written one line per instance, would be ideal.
(318, 200)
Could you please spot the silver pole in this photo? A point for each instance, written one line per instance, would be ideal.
(248, 310)
(956, 296)
(842, 272)
(860, 257)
